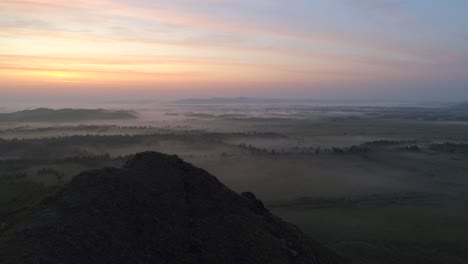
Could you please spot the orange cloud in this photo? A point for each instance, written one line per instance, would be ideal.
(104, 43)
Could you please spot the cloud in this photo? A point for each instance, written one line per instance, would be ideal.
(224, 40)
(186, 21)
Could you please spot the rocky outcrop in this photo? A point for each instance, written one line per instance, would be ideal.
(156, 209)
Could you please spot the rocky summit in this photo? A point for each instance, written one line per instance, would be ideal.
(156, 209)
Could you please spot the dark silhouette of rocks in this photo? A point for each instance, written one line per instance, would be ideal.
(156, 209)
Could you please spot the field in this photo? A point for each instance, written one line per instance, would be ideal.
(386, 184)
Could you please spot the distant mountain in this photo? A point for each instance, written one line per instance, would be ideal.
(460, 107)
(156, 209)
(132, 102)
(64, 115)
(239, 100)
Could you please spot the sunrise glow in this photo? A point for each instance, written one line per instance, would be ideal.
(290, 48)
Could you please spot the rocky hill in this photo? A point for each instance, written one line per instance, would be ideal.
(65, 115)
(156, 209)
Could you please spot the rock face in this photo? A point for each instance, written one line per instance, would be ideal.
(156, 209)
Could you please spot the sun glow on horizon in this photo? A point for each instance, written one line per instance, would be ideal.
(61, 77)
(205, 44)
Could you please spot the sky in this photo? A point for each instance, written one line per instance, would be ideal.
(318, 49)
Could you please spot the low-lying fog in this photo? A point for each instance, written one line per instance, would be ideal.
(368, 180)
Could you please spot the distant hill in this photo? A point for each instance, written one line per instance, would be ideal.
(156, 209)
(460, 107)
(64, 115)
(239, 100)
(253, 100)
